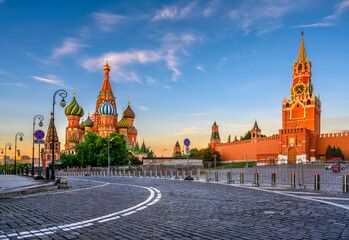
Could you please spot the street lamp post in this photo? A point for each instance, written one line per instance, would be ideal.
(63, 94)
(9, 145)
(215, 161)
(109, 156)
(41, 118)
(2, 152)
(246, 159)
(21, 139)
(162, 153)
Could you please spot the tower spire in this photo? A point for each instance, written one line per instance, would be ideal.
(302, 57)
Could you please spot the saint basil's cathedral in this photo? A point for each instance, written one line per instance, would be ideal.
(102, 122)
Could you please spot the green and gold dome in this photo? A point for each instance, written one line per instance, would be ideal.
(73, 109)
(123, 123)
(73, 139)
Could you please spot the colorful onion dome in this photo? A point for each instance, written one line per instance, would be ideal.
(73, 139)
(123, 123)
(106, 109)
(73, 109)
(128, 113)
(82, 125)
(106, 66)
(88, 122)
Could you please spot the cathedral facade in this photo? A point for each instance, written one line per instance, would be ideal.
(300, 138)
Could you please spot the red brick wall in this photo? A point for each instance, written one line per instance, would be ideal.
(334, 139)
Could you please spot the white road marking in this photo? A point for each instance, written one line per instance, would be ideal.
(332, 198)
(154, 197)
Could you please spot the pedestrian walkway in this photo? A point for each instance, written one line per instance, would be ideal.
(16, 181)
(14, 185)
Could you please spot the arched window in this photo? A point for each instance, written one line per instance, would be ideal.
(308, 102)
(300, 67)
(306, 67)
(287, 105)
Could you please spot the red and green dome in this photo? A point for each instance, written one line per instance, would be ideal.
(73, 109)
(123, 123)
(128, 113)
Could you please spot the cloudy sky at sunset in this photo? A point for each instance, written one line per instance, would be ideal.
(184, 64)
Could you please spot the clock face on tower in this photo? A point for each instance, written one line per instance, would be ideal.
(299, 89)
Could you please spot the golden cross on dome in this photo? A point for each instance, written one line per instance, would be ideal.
(129, 100)
(74, 91)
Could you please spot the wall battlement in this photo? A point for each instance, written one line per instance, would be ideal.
(292, 130)
(331, 135)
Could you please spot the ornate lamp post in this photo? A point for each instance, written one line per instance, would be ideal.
(41, 118)
(63, 94)
(20, 134)
(7, 145)
(109, 156)
(2, 152)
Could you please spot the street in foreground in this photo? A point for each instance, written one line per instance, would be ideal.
(147, 208)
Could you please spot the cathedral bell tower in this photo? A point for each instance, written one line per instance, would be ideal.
(301, 113)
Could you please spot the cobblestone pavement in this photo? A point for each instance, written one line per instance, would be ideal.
(148, 208)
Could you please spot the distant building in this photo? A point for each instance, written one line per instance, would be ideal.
(300, 138)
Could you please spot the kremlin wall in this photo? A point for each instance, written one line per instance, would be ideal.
(300, 138)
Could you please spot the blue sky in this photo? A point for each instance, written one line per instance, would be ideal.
(183, 63)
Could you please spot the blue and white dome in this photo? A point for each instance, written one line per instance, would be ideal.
(106, 109)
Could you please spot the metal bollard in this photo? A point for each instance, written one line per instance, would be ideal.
(144, 173)
(207, 176)
(123, 173)
(119, 173)
(190, 173)
(229, 180)
(198, 174)
(177, 174)
(183, 174)
(165, 173)
(256, 179)
(242, 177)
(293, 180)
(160, 176)
(216, 176)
(156, 173)
(138, 173)
(273, 178)
(171, 174)
(134, 173)
(345, 182)
(129, 173)
(316, 181)
(150, 173)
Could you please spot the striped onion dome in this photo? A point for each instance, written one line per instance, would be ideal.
(106, 109)
(88, 122)
(123, 123)
(73, 109)
(128, 113)
(82, 124)
(73, 139)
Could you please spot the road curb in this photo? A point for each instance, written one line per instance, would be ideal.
(14, 192)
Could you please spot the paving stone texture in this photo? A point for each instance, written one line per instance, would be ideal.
(183, 210)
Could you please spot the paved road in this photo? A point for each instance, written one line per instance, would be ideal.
(148, 208)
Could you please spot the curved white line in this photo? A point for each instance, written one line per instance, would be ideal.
(154, 197)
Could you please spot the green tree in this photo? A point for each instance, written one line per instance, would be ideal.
(329, 152)
(207, 154)
(193, 152)
(235, 139)
(229, 139)
(69, 160)
(338, 153)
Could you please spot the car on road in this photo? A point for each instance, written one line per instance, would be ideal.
(332, 165)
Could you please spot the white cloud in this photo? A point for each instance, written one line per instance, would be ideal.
(150, 80)
(167, 53)
(189, 131)
(262, 17)
(12, 84)
(341, 7)
(201, 68)
(69, 46)
(174, 12)
(143, 108)
(166, 87)
(211, 8)
(323, 24)
(107, 20)
(7, 73)
(50, 79)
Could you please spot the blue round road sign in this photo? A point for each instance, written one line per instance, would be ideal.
(186, 142)
(39, 134)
